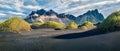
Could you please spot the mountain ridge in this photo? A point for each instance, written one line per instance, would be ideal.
(92, 15)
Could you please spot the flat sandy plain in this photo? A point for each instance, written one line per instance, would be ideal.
(49, 40)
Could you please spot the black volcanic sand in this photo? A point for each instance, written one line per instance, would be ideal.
(79, 35)
(51, 40)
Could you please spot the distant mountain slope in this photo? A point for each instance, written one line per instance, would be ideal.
(44, 16)
(92, 16)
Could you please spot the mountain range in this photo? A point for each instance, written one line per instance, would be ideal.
(43, 16)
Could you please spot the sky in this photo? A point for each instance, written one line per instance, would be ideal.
(22, 8)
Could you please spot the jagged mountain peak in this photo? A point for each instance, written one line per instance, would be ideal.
(50, 12)
(96, 10)
(40, 12)
(91, 12)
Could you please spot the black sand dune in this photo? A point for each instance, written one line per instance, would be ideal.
(35, 41)
(79, 35)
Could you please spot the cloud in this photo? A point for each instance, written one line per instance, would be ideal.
(32, 7)
(108, 10)
(18, 7)
(91, 5)
(56, 5)
(15, 13)
(19, 4)
(30, 2)
(74, 0)
(83, 0)
(5, 6)
(2, 14)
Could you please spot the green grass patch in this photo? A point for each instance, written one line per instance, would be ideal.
(15, 24)
(87, 26)
(53, 24)
(111, 23)
(72, 25)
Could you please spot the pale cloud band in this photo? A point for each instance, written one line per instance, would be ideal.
(92, 5)
(2, 14)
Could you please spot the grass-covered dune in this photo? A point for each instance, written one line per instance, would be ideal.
(15, 24)
(0, 22)
(49, 24)
(72, 25)
(87, 26)
(111, 23)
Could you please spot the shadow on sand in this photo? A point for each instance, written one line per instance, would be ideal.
(79, 35)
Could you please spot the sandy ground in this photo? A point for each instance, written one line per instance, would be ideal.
(41, 40)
